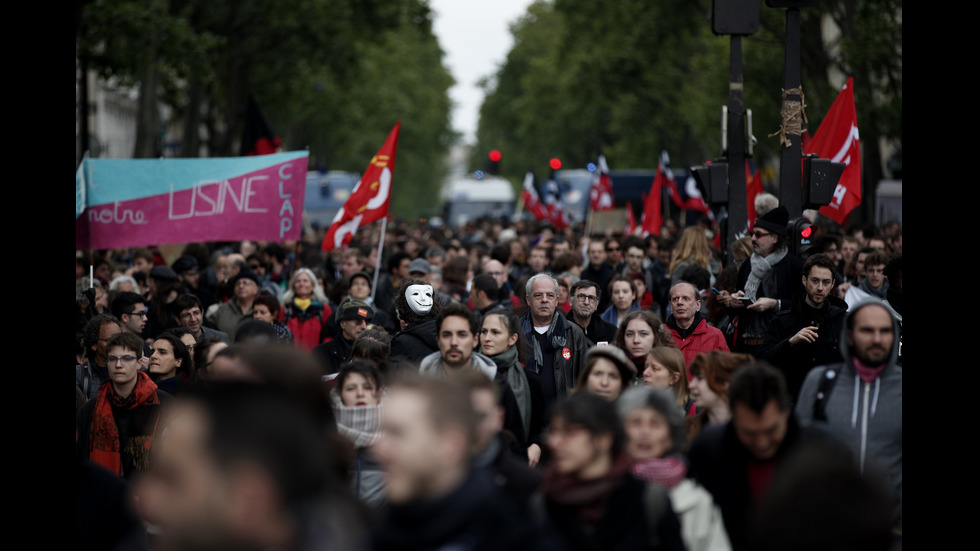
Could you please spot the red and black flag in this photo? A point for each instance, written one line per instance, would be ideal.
(257, 137)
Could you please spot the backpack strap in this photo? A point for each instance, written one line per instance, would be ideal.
(656, 502)
(827, 381)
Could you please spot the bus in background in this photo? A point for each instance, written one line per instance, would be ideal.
(467, 198)
(326, 194)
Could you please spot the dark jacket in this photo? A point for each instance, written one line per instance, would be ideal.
(783, 282)
(126, 422)
(720, 463)
(474, 516)
(333, 354)
(415, 342)
(625, 522)
(598, 330)
(796, 360)
(564, 370)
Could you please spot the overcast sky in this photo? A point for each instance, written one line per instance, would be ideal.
(476, 38)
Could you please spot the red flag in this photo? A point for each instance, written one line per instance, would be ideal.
(630, 218)
(531, 200)
(367, 203)
(601, 196)
(553, 205)
(653, 218)
(688, 198)
(837, 139)
(753, 187)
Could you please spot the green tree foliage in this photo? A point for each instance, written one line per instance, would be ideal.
(330, 75)
(631, 78)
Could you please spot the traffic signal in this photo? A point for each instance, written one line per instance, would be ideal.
(555, 163)
(820, 177)
(712, 179)
(493, 167)
(799, 232)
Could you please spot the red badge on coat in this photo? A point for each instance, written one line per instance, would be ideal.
(566, 353)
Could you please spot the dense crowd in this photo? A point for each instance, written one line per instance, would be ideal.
(496, 386)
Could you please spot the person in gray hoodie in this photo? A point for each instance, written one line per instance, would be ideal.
(457, 337)
(859, 400)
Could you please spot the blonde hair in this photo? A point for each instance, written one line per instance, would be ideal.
(693, 246)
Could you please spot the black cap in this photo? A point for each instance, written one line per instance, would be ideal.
(163, 273)
(355, 310)
(774, 221)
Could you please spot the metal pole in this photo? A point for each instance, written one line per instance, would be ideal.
(737, 209)
(790, 178)
(377, 265)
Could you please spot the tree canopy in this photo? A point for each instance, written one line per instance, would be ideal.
(329, 75)
(631, 78)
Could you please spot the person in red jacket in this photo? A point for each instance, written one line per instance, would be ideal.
(692, 334)
(305, 309)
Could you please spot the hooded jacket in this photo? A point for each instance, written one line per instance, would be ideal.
(432, 366)
(865, 416)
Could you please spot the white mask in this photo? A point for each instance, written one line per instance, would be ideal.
(419, 298)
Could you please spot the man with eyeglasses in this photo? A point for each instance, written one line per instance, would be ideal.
(190, 316)
(119, 427)
(585, 300)
(130, 310)
(556, 347)
(767, 282)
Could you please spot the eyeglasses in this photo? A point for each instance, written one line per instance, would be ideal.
(611, 249)
(191, 314)
(760, 234)
(586, 298)
(138, 313)
(123, 359)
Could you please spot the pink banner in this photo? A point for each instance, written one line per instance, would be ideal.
(266, 204)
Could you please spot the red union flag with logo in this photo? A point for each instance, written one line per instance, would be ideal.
(368, 202)
(837, 139)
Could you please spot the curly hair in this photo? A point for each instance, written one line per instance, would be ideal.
(92, 331)
(405, 313)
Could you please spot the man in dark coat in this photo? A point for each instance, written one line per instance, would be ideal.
(768, 281)
(417, 311)
(737, 461)
(809, 333)
(436, 500)
(353, 318)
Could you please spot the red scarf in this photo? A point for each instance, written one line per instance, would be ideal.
(867, 374)
(104, 445)
(666, 471)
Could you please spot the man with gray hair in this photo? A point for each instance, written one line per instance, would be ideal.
(556, 347)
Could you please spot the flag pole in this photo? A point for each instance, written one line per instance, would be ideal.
(377, 265)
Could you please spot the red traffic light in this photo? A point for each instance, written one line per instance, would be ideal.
(805, 232)
(555, 163)
(494, 155)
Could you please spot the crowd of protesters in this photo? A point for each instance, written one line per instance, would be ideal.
(494, 386)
